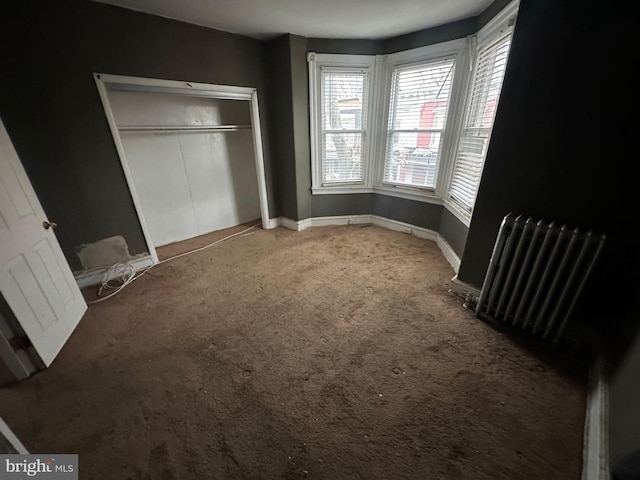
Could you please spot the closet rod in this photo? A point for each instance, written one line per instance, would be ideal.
(181, 128)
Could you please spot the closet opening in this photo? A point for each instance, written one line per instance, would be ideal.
(191, 154)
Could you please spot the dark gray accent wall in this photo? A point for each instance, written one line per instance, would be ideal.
(454, 231)
(289, 117)
(280, 103)
(422, 38)
(351, 204)
(491, 11)
(346, 46)
(52, 111)
(420, 214)
(431, 36)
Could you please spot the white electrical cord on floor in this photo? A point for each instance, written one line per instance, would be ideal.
(124, 274)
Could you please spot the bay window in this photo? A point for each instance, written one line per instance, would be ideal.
(414, 124)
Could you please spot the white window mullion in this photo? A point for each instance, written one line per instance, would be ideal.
(376, 126)
(456, 111)
(314, 122)
(379, 122)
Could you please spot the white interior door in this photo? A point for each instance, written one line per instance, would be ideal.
(35, 278)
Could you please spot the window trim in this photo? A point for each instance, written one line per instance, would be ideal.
(491, 32)
(355, 63)
(456, 49)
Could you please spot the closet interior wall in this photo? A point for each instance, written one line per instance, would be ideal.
(192, 161)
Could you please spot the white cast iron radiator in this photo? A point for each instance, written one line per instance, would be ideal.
(536, 273)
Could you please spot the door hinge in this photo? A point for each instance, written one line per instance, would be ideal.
(20, 342)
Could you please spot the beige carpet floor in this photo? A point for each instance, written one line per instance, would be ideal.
(332, 353)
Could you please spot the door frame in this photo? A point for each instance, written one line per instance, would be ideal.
(11, 439)
(221, 92)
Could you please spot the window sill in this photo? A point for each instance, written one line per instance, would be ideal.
(399, 192)
(341, 190)
(409, 194)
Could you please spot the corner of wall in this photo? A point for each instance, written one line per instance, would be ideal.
(469, 293)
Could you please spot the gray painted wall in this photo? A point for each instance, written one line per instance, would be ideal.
(289, 117)
(51, 108)
(421, 214)
(454, 231)
(431, 36)
(428, 36)
(280, 103)
(352, 204)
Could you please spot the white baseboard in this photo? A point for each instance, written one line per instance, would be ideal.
(388, 223)
(272, 223)
(595, 457)
(288, 223)
(94, 278)
(449, 253)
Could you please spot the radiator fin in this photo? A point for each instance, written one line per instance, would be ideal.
(536, 274)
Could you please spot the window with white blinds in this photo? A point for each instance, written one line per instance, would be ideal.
(417, 118)
(343, 117)
(413, 124)
(484, 92)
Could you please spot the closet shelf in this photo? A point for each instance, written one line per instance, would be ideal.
(181, 128)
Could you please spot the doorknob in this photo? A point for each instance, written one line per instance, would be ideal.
(47, 225)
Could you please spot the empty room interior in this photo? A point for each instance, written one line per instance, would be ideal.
(328, 240)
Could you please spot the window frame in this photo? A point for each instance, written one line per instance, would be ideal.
(456, 50)
(347, 63)
(504, 21)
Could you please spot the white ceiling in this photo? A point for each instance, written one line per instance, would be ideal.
(373, 19)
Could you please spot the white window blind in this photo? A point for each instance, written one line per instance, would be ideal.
(482, 101)
(343, 116)
(417, 117)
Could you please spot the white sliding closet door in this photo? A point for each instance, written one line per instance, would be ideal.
(191, 179)
(221, 172)
(162, 186)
